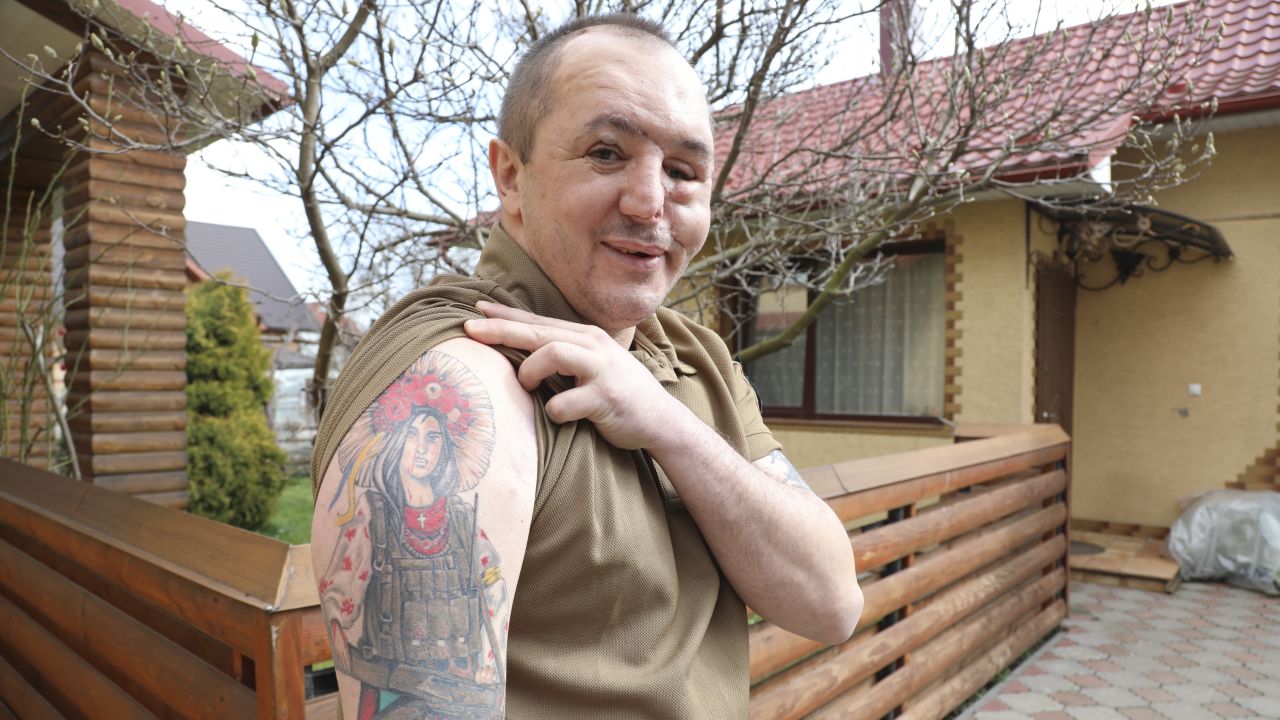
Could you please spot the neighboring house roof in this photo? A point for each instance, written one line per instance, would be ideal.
(240, 251)
(1242, 72)
(58, 26)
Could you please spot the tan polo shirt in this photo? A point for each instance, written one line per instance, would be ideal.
(621, 610)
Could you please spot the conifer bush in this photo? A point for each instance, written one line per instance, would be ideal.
(234, 469)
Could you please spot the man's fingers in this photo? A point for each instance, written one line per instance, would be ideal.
(517, 334)
(556, 358)
(506, 312)
(574, 404)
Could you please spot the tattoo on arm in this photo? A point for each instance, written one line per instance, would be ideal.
(416, 604)
(778, 466)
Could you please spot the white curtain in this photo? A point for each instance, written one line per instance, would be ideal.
(779, 376)
(883, 351)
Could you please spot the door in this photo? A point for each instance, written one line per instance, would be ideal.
(1055, 345)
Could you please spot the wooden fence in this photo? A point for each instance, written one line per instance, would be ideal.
(113, 607)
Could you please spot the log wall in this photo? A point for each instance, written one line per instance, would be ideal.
(26, 294)
(106, 601)
(124, 301)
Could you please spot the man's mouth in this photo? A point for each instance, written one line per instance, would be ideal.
(638, 251)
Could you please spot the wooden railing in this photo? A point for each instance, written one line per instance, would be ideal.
(961, 552)
(113, 607)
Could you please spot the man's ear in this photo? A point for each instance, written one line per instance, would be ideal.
(505, 167)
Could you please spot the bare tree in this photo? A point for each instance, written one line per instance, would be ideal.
(387, 107)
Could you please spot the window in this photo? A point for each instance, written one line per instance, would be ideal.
(879, 355)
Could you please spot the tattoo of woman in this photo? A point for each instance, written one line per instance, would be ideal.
(416, 604)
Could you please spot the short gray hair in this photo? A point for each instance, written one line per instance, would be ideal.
(528, 96)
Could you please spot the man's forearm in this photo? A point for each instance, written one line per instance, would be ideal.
(781, 546)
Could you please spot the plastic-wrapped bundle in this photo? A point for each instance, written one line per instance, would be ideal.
(1232, 535)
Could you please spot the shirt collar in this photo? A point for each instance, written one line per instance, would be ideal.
(505, 263)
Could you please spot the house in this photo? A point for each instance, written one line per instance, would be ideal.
(100, 232)
(289, 325)
(1152, 336)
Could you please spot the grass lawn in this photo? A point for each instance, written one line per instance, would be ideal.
(291, 521)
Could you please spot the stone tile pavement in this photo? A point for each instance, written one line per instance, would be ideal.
(1208, 651)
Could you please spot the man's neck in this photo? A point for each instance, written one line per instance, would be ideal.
(624, 337)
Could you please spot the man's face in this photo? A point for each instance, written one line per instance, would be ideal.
(422, 446)
(615, 198)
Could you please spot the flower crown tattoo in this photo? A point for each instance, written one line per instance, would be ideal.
(412, 390)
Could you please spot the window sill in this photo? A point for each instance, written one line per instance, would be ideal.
(907, 426)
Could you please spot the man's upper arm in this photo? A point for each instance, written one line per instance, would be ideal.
(419, 534)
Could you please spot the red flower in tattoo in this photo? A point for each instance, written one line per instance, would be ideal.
(364, 576)
(325, 584)
(350, 534)
(348, 606)
(396, 404)
(346, 563)
(484, 561)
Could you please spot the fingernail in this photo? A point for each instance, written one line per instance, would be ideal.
(483, 303)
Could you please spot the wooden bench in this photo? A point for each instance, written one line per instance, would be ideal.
(114, 607)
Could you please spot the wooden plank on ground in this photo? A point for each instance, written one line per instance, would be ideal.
(1124, 556)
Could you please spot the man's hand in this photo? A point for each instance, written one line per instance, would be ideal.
(614, 391)
(769, 532)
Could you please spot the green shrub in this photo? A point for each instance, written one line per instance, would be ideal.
(234, 469)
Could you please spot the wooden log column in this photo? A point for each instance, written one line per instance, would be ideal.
(125, 317)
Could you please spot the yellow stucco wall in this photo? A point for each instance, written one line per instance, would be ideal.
(997, 313)
(1140, 345)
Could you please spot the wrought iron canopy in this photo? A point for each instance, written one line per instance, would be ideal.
(1136, 237)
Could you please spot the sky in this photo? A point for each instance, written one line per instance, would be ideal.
(211, 197)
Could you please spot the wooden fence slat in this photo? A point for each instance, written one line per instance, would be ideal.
(21, 697)
(279, 676)
(199, 644)
(981, 631)
(977, 673)
(76, 685)
(900, 493)
(859, 476)
(804, 687)
(121, 647)
(215, 577)
(773, 648)
(877, 547)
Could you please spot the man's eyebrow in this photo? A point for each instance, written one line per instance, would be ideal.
(625, 124)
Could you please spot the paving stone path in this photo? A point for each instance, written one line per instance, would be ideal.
(1208, 651)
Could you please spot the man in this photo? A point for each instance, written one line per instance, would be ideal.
(632, 489)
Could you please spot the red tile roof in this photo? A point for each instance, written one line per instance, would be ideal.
(168, 24)
(1242, 71)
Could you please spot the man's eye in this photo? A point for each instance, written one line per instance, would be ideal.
(676, 173)
(607, 154)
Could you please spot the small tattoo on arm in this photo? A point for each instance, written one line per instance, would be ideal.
(414, 598)
(782, 469)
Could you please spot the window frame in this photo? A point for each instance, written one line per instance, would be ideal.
(807, 411)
